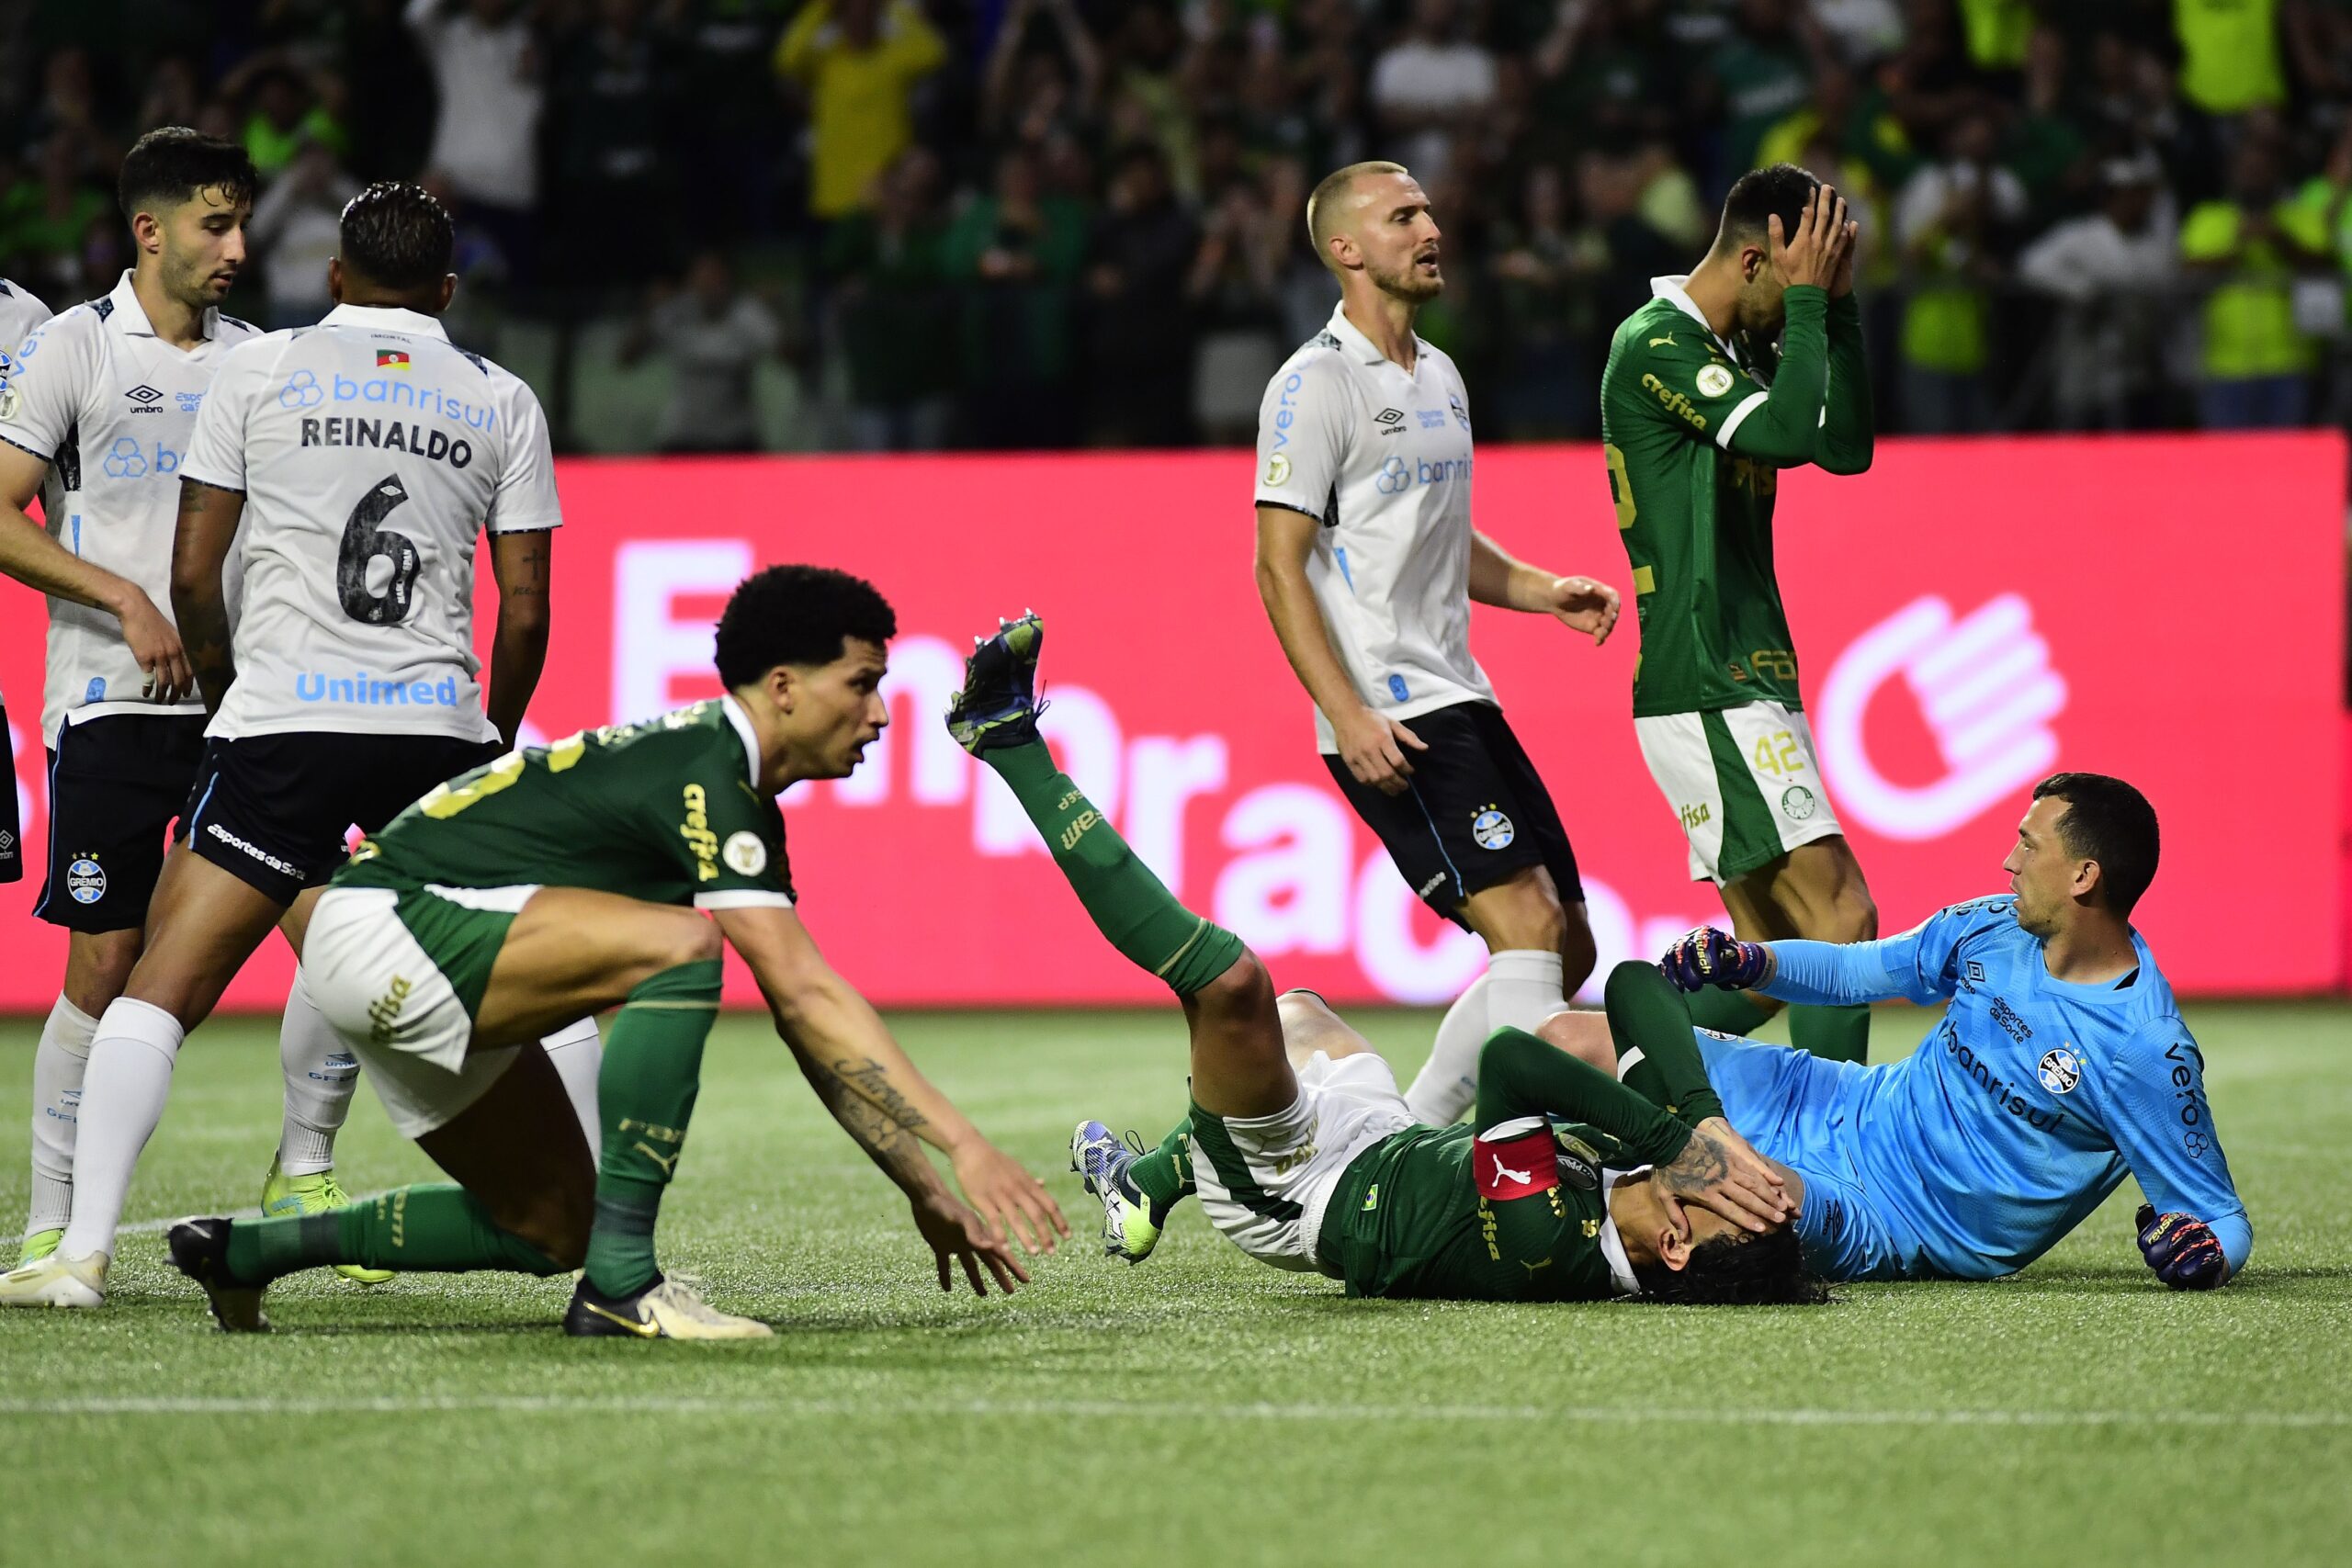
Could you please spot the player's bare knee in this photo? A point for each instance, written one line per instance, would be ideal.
(1585, 1036)
(691, 939)
(1244, 991)
(1520, 915)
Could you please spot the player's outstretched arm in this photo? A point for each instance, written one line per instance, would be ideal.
(523, 565)
(29, 555)
(2193, 1232)
(1581, 603)
(864, 1078)
(208, 528)
(1917, 965)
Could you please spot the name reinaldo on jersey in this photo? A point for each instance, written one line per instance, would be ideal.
(372, 454)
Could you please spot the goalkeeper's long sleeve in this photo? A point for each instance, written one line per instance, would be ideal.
(1783, 426)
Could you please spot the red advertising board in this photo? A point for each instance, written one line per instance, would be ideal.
(1970, 615)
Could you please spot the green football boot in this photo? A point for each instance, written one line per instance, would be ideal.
(1130, 1228)
(282, 1194)
(997, 706)
(40, 1245)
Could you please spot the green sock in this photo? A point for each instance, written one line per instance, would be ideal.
(438, 1228)
(1648, 1014)
(645, 1095)
(1727, 1013)
(1127, 903)
(1838, 1034)
(1165, 1175)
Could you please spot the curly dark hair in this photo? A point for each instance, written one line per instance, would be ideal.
(397, 235)
(797, 614)
(1781, 189)
(1737, 1268)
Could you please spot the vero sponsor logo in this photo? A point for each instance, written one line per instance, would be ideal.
(1984, 685)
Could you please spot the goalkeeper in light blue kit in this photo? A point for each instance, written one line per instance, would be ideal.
(2061, 1066)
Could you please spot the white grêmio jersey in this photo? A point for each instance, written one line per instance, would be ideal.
(371, 454)
(20, 312)
(1379, 456)
(110, 407)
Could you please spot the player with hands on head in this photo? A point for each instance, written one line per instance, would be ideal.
(1750, 364)
(1368, 561)
(2060, 1067)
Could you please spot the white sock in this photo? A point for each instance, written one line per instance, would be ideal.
(321, 1075)
(577, 1053)
(1448, 1081)
(58, 1065)
(1523, 988)
(122, 1100)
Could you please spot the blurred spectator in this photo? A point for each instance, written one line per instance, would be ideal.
(485, 65)
(610, 91)
(46, 213)
(2249, 244)
(1606, 69)
(891, 311)
(859, 62)
(1761, 74)
(1996, 32)
(2115, 273)
(714, 335)
(1952, 222)
(1037, 95)
(295, 231)
(1545, 391)
(285, 113)
(1015, 254)
(1429, 88)
(1137, 307)
(172, 97)
(2228, 54)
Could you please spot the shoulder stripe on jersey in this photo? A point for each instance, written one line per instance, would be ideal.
(479, 363)
(45, 456)
(1285, 505)
(104, 307)
(5, 292)
(239, 321)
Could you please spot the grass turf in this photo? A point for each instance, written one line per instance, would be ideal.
(1199, 1405)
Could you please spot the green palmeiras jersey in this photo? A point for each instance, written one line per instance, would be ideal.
(668, 810)
(1695, 430)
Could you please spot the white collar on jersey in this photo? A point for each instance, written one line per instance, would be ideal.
(387, 317)
(1671, 288)
(131, 316)
(743, 722)
(1363, 347)
(1612, 1246)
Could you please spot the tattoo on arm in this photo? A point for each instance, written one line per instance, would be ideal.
(1701, 1165)
(203, 617)
(877, 1116)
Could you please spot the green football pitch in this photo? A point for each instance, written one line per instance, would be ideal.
(1198, 1409)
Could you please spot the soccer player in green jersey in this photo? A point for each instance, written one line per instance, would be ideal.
(1304, 1152)
(562, 880)
(1698, 415)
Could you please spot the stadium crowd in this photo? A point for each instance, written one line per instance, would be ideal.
(1058, 222)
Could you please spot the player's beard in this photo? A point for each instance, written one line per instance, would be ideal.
(1409, 284)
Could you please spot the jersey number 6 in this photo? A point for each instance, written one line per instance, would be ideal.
(364, 539)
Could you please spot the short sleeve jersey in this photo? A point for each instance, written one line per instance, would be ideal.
(372, 455)
(1408, 1221)
(1380, 456)
(110, 407)
(668, 810)
(1696, 520)
(20, 312)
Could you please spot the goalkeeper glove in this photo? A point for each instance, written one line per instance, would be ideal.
(1709, 957)
(2183, 1251)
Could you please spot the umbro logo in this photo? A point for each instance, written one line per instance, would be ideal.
(143, 393)
(1391, 420)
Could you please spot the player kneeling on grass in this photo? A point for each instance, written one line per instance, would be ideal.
(1320, 1166)
(562, 880)
(2060, 1067)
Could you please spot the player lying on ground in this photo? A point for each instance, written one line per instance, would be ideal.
(562, 880)
(2061, 1066)
(1324, 1168)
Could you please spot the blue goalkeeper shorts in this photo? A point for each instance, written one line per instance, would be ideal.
(1791, 1107)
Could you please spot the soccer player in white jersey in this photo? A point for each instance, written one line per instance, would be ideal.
(363, 457)
(20, 312)
(1368, 564)
(96, 419)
